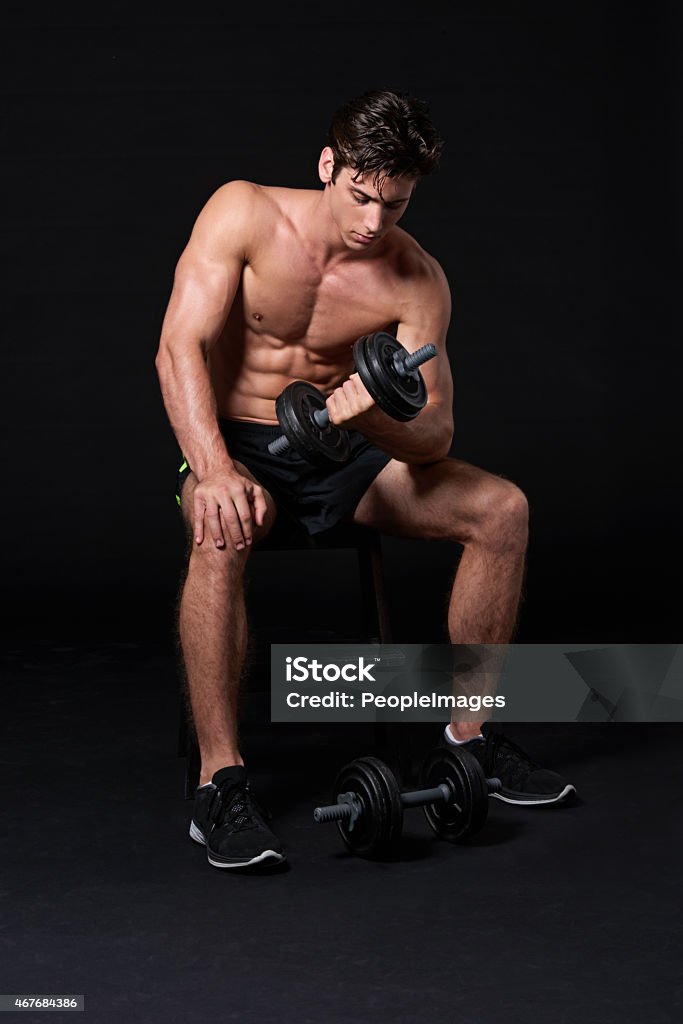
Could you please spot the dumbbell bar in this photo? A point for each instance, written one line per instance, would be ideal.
(368, 807)
(391, 376)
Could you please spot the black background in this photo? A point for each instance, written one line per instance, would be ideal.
(554, 217)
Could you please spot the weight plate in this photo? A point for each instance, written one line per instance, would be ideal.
(377, 385)
(466, 812)
(380, 823)
(318, 445)
(400, 397)
(408, 393)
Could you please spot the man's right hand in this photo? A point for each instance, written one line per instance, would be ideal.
(227, 506)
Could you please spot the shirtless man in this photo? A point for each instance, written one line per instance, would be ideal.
(275, 285)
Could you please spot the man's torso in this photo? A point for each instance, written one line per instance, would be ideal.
(294, 318)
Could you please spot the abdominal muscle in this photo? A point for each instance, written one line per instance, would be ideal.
(249, 373)
(250, 368)
(290, 320)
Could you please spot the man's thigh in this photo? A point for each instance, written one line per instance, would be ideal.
(445, 500)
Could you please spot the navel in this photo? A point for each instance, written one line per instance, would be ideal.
(257, 316)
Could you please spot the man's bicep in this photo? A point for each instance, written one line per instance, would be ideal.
(424, 321)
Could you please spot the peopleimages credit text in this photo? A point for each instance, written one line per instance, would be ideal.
(470, 682)
(339, 699)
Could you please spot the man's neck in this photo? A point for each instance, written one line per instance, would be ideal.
(322, 234)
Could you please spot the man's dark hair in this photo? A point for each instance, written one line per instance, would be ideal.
(386, 134)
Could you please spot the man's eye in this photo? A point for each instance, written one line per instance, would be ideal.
(361, 200)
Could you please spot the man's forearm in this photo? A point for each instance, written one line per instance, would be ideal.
(425, 439)
(191, 408)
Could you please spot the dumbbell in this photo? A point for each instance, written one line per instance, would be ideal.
(368, 804)
(390, 374)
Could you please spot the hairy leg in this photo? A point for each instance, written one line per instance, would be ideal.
(213, 636)
(452, 500)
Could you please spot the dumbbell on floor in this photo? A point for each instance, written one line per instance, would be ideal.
(368, 804)
(391, 376)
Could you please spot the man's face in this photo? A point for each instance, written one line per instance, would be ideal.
(362, 215)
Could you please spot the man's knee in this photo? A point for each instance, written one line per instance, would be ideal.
(502, 514)
(220, 559)
(215, 561)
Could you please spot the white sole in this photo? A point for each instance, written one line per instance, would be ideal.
(535, 803)
(196, 834)
(267, 856)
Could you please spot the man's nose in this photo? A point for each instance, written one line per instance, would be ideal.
(374, 217)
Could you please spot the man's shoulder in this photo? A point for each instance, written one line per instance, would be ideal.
(236, 197)
(250, 209)
(413, 264)
(249, 196)
(235, 216)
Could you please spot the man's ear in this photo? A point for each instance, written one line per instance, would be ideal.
(326, 165)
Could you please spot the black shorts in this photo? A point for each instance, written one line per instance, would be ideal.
(318, 498)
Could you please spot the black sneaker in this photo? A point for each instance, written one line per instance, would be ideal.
(522, 781)
(228, 821)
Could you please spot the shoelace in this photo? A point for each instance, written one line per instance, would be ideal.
(237, 808)
(495, 742)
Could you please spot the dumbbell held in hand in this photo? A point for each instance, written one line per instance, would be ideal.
(390, 375)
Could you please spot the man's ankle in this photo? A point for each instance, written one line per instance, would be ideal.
(209, 768)
(462, 732)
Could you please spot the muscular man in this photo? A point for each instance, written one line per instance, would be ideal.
(275, 285)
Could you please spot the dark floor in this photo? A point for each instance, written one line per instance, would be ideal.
(563, 915)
